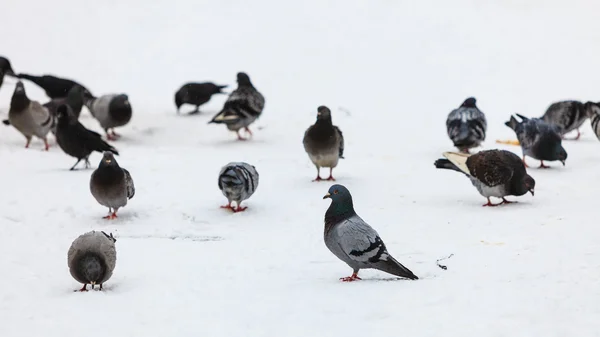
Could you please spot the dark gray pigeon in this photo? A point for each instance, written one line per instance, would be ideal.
(74, 100)
(238, 181)
(466, 125)
(593, 112)
(324, 143)
(566, 116)
(353, 241)
(495, 173)
(5, 69)
(243, 106)
(92, 258)
(538, 139)
(54, 87)
(111, 111)
(196, 94)
(111, 185)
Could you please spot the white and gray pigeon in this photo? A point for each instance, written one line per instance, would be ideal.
(593, 112)
(92, 258)
(243, 106)
(538, 139)
(111, 111)
(353, 241)
(29, 117)
(324, 143)
(566, 116)
(466, 126)
(238, 181)
(111, 185)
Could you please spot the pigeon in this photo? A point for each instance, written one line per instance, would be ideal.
(324, 143)
(54, 87)
(74, 100)
(593, 112)
(111, 185)
(567, 116)
(29, 117)
(353, 241)
(237, 181)
(111, 111)
(538, 139)
(75, 140)
(466, 125)
(196, 94)
(5, 69)
(243, 106)
(495, 173)
(92, 258)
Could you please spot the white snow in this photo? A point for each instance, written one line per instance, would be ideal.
(188, 268)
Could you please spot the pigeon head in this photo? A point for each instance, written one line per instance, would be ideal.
(243, 79)
(520, 187)
(218, 89)
(19, 100)
(561, 154)
(108, 160)
(592, 108)
(19, 88)
(91, 268)
(5, 67)
(341, 201)
(469, 103)
(63, 114)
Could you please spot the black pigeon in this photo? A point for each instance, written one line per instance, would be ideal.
(495, 173)
(538, 139)
(54, 87)
(5, 69)
(324, 143)
(466, 125)
(74, 100)
(566, 116)
(77, 141)
(196, 94)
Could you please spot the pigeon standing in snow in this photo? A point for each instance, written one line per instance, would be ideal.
(538, 139)
(324, 142)
(111, 111)
(5, 69)
(74, 100)
(54, 87)
(92, 258)
(244, 105)
(593, 112)
(567, 116)
(196, 94)
(466, 125)
(111, 185)
(237, 181)
(353, 241)
(495, 173)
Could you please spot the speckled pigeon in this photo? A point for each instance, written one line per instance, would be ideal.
(466, 125)
(324, 143)
(566, 116)
(238, 181)
(92, 258)
(593, 112)
(111, 185)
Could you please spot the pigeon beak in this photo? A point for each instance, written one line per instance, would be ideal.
(108, 161)
(563, 162)
(327, 196)
(318, 114)
(531, 191)
(93, 283)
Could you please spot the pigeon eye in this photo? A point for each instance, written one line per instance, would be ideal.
(335, 192)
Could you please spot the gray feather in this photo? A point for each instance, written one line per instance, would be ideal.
(238, 181)
(98, 244)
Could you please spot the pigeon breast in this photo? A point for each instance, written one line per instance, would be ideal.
(92, 246)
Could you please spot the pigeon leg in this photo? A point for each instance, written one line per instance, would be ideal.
(238, 209)
(73, 167)
(28, 142)
(87, 162)
(525, 163)
(84, 288)
(112, 214)
(46, 145)
(240, 136)
(351, 278)
(542, 165)
(100, 286)
(248, 130)
(114, 134)
(489, 203)
(504, 201)
(578, 134)
(331, 174)
(228, 206)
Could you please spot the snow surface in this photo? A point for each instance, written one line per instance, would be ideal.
(188, 268)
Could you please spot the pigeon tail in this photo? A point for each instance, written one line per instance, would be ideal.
(512, 123)
(225, 117)
(463, 136)
(394, 267)
(446, 164)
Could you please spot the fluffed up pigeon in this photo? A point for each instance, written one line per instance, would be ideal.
(92, 258)
(495, 173)
(53, 86)
(196, 94)
(5, 69)
(353, 241)
(593, 112)
(324, 143)
(238, 181)
(567, 116)
(111, 111)
(244, 105)
(74, 100)
(111, 185)
(538, 139)
(466, 125)
(75, 140)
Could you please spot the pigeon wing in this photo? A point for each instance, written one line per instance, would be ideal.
(129, 184)
(491, 167)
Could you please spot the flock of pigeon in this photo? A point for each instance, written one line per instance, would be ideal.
(92, 256)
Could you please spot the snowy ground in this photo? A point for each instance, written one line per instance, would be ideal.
(188, 268)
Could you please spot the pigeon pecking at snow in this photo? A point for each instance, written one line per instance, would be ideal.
(111, 185)
(538, 139)
(353, 241)
(92, 258)
(495, 173)
(324, 143)
(5, 69)
(111, 111)
(196, 94)
(244, 105)
(54, 87)
(566, 116)
(466, 126)
(238, 181)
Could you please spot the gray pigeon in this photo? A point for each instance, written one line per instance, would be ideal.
(538, 139)
(111, 185)
(29, 117)
(353, 241)
(74, 100)
(111, 111)
(566, 116)
(92, 258)
(324, 143)
(466, 125)
(593, 112)
(243, 106)
(238, 181)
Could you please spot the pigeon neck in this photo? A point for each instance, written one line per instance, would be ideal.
(337, 212)
(19, 102)
(324, 121)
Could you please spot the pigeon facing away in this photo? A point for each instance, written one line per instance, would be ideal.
(77, 141)
(74, 100)
(111, 111)
(54, 87)
(593, 112)
(324, 142)
(111, 185)
(92, 258)
(538, 139)
(353, 241)
(495, 173)
(238, 181)
(5, 69)
(567, 116)
(29, 117)
(466, 125)
(244, 105)
(196, 94)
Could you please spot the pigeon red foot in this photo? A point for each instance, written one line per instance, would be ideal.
(542, 165)
(111, 216)
(352, 278)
